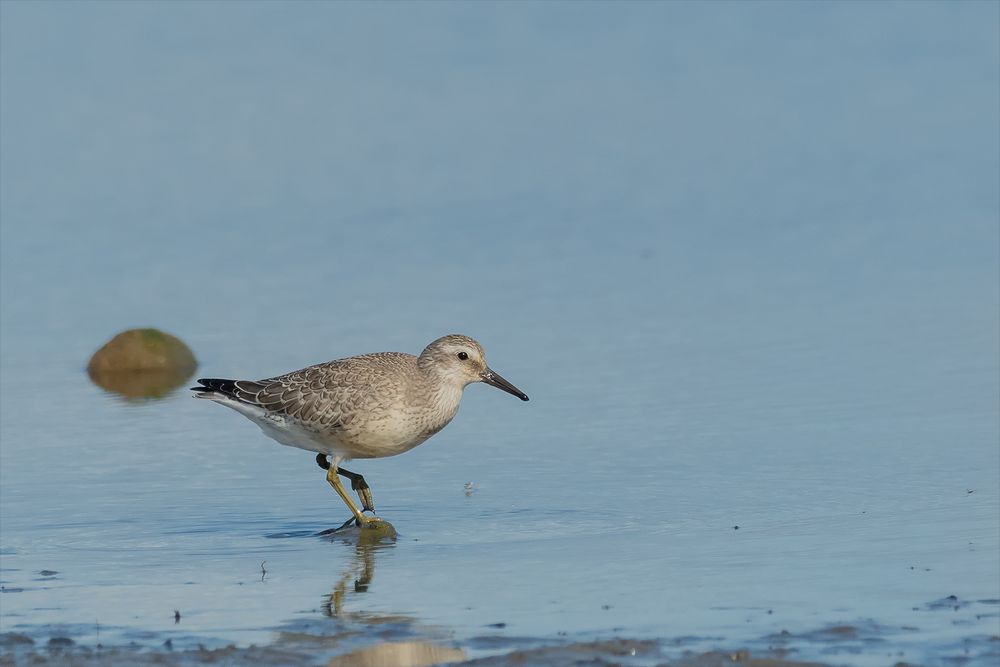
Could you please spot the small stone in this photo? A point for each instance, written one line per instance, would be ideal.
(377, 531)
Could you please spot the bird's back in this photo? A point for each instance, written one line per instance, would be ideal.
(343, 390)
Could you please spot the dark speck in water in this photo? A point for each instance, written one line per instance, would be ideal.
(951, 602)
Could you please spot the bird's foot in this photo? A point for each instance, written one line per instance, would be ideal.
(360, 521)
(371, 530)
(363, 520)
(342, 526)
(364, 495)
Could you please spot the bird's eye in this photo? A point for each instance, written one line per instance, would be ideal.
(463, 356)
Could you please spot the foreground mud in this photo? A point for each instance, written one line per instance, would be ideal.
(390, 654)
(399, 644)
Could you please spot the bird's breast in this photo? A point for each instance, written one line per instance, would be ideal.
(395, 426)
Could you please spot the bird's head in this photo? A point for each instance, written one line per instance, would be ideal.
(460, 360)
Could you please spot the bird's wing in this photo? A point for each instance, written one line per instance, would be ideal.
(309, 395)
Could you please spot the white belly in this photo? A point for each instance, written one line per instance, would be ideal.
(379, 434)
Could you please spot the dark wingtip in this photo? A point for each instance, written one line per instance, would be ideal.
(215, 384)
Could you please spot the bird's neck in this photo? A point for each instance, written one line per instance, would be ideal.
(443, 396)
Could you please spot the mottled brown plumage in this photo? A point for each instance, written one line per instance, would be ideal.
(368, 406)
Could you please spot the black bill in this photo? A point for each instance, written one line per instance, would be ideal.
(495, 379)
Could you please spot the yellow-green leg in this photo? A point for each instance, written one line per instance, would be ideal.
(334, 480)
(358, 483)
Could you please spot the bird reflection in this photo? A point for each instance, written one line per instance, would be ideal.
(367, 542)
(400, 654)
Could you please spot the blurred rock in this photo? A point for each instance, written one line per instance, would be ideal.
(142, 363)
(143, 350)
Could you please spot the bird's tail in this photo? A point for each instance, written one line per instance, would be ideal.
(216, 388)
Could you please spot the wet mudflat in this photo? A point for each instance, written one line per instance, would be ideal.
(396, 642)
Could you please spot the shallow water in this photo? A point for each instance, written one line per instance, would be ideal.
(764, 392)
